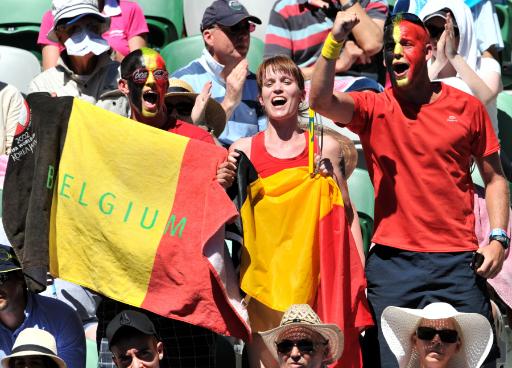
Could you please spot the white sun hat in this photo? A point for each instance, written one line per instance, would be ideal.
(34, 342)
(303, 315)
(399, 324)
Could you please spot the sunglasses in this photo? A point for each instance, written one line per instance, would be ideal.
(305, 346)
(141, 75)
(183, 108)
(436, 32)
(6, 276)
(239, 28)
(428, 333)
(70, 29)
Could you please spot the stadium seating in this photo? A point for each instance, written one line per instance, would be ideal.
(362, 195)
(19, 23)
(179, 53)
(165, 21)
(18, 67)
(504, 12)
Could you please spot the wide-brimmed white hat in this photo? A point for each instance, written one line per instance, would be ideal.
(69, 9)
(34, 342)
(303, 315)
(399, 324)
(215, 116)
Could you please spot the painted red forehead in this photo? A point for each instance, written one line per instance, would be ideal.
(152, 59)
(412, 30)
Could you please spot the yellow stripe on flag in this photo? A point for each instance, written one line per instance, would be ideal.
(281, 215)
(95, 192)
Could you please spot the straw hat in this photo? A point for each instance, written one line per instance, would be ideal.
(348, 149)
(303, 315)
(215, 115)
(34, 342)
(399, 324)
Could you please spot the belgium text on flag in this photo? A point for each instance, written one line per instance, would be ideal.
(127, 210)
(298, 249)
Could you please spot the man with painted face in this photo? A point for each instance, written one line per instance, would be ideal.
(85, 69)
(144, 80)
(419, 137)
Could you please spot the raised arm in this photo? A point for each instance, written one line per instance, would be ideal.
(338, 107)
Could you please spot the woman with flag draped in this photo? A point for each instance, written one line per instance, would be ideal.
(298, 245)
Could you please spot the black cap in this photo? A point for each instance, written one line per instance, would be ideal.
(129, 319)
(226, 13)
(8, 260)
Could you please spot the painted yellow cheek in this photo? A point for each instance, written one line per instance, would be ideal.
(398, 50)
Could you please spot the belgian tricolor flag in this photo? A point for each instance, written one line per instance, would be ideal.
(298, 248)
(127, 210)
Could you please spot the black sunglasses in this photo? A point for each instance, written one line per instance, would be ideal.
(428, 333)
(436, 32)
(240, 27)
(183, 108)
(6, 276)
(305, 346)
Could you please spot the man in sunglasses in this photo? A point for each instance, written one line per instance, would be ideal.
(437, 336)
(20, 309)
(85, 69)
(419, 138)
(226, 28)
(303, 340)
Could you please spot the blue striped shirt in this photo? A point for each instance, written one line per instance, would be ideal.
(247, 118)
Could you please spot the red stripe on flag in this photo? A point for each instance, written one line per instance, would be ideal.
(341, 295)
(182, 285)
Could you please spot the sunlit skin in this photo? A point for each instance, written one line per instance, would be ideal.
(295, 358)
(406, 53)
(280, 96)
(436, 353)
(228, 48)
(137, 350)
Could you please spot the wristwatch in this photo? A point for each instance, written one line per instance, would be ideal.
(501, 236)
(350, 4)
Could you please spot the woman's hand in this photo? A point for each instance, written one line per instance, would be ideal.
(324, 166)
(450, 47)
(227, 170)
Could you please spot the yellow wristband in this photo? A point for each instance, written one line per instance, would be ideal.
(332, 48)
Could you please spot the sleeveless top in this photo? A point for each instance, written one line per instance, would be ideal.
(266, 164)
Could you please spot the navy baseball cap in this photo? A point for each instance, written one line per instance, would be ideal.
(8, 260)
(226, 13)
(129, 319)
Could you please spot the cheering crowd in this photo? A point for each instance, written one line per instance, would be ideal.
(277, 273)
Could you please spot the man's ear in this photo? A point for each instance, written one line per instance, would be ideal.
(122, 84)
(160, 350)
(208, 37)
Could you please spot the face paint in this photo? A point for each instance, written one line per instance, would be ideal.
(405, 52)
(148, 84)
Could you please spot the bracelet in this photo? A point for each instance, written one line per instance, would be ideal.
(332, 48)
(350, 4)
